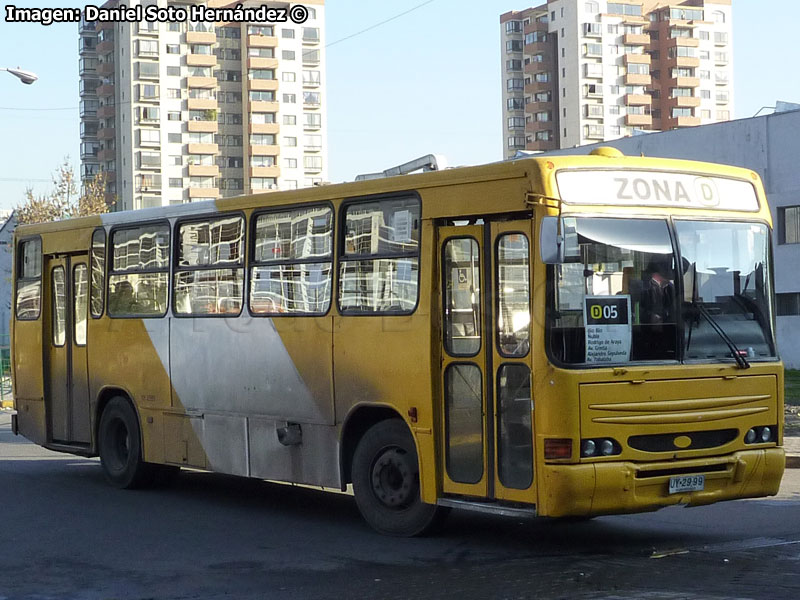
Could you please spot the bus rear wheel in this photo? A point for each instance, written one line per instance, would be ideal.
(386, 482)
(120, 447)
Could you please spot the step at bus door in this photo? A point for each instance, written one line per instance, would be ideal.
(66, 380)
(487, 409)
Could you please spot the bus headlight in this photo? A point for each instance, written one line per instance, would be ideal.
(761, 435)
(607, 447)
(599, 447)
(588, 447)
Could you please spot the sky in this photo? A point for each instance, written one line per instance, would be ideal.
(428, 81)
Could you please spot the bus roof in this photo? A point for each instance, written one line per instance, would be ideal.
(539, 171)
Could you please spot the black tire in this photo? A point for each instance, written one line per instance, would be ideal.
(120, 447)
(385, 475)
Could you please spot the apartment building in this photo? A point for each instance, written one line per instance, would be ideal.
(178, 112)
(581, 71)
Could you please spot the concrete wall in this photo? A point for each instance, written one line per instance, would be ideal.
(768, 145)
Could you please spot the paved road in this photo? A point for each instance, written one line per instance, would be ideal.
(66, 535)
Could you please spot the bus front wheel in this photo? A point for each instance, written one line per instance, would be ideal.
(120, 447)
(386, 482)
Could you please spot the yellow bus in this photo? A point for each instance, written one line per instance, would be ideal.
(557, 336)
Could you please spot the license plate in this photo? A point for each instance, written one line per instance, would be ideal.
(688, 483)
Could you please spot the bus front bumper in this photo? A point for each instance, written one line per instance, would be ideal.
(604, 488)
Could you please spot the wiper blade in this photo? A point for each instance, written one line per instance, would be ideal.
(738, 355)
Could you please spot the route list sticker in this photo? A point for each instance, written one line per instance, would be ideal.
(608, 328)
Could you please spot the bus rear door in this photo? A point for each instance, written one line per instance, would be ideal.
(66, 380)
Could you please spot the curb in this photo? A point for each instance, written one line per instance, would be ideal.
(793, 462)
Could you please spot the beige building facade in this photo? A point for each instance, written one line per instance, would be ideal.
(177, 112)
(581, 71)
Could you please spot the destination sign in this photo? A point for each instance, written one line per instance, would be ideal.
(608, 328)
(655, 188)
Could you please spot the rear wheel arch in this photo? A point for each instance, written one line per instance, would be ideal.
(358, 421)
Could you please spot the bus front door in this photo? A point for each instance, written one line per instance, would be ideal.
(487, 407)
(66, 379)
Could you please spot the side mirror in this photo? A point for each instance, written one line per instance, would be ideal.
(551, 244)
(558, 241)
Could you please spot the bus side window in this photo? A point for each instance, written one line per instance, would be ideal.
(138, 279)
(292, 254)
(209, 274)
(379, 266)
(98, 279)
(29, 280)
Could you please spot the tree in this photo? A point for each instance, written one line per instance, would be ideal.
(64, 201)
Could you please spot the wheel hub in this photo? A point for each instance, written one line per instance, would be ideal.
(393, 479)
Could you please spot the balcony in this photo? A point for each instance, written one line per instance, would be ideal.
(202, 104)
(106, 111)
(593, 133)
(195, 148)
(638, 100)
(636, 39)
(637, 79)
(87, 47)
(265, 150)
(105, 46)
(107, 89)
(689, 42)
(106, 154)
(148, 183)
(721, 79)
(257, 62)
(200, 126)
(690, 82)
(263, 85)
(273, 171)
(201, 82)
(203, 171)
(272, 128)
(203, 192)
(684, 102)
(259, 106)
(636, 59)
(201, 60)
(687, 121)
(690, 62)
(105, 68)
(106, 133)
(638, 120)
(201, 37)
(262, 41)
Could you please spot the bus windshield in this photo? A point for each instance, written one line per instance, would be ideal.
(725, 283)
(621, 295)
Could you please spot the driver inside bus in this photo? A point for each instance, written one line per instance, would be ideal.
(658, 291)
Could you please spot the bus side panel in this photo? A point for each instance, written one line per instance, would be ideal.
(387, 360)
(246, 378)
(28, 379)
(132, 355)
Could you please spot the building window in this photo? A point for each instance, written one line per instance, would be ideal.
(290, 119)
(289, 77)
(173, 49)
(290, 163)
(287, 54)
(788, 304)
(789, 225)
(287, 33)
